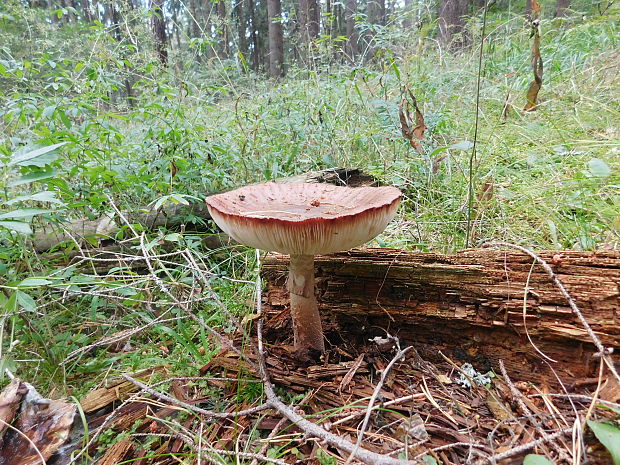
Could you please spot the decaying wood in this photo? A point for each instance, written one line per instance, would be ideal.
(117, 453)
(115, 389)
(42, 427)
(469, 305)
(10, 400)
(169, 215)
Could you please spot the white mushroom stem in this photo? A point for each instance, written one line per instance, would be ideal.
(304, 309)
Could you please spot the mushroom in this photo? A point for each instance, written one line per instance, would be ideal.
(303, 220)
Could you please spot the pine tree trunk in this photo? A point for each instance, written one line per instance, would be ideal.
(87, 11)
(350, 12)
(159, 31)
(452, 22)
(276, 39)
(239, 10)
(376, 12)
(408, 21)
(224, 46)
(256, 49)
(561, 8)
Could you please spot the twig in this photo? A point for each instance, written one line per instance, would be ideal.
(602, 350)
(579, 397)
(385, 404)
(207, 413)
(360, 436)
(518, 397)
(106, 341)
(528, 445)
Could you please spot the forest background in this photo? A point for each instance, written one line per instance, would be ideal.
(119, 105)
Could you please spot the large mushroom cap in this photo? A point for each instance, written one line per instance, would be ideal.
(304, 219)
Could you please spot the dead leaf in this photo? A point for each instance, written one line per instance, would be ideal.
(486, 192)
(537, 67)
(349, 376)
(409, 131)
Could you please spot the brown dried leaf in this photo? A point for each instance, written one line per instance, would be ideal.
(408, 130)
(537, 68)
(351, 373)
(486, 192)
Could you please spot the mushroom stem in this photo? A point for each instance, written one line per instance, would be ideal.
(304, 309)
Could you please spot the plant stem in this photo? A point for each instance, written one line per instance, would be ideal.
(304, 309)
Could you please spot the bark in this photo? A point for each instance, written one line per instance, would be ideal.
(224, 45)
(352, 35)
(194, 19)
(159, 31)
(171, 215)
(408, 21)
(561, 8)
(309, 17)
(452, 22)
(87, 11)
(256, 49)
(376, 12)
(241, 28)
(468, 305)
(276, 39)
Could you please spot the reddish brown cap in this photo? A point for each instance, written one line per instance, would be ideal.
(304, 219)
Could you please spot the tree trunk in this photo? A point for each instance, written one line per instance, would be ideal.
(408, 21)
(452, 22)
(376, 12)
(350, 12)
(159, 31)
(254, 27)
(194, 19)
(561, 8)
(239, 10)
(276, 39)
(87, 11)
(224, 46)
(309, 17)
(469, 305)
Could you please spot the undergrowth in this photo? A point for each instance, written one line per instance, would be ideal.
(547, 179)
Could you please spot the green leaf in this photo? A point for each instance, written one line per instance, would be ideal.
(535, 459)
(29, 283)
(598, 168)
(26, 301)
(45, 196)
(25, 213)
(609, 436)
(48, 111)
(35, 157)
(17, 226)
(463, 145)
(32, 177)
(429, 460)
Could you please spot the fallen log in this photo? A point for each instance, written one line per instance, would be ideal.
(171, 214)
(476, 306)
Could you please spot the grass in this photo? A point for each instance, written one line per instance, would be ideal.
(555, 172)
